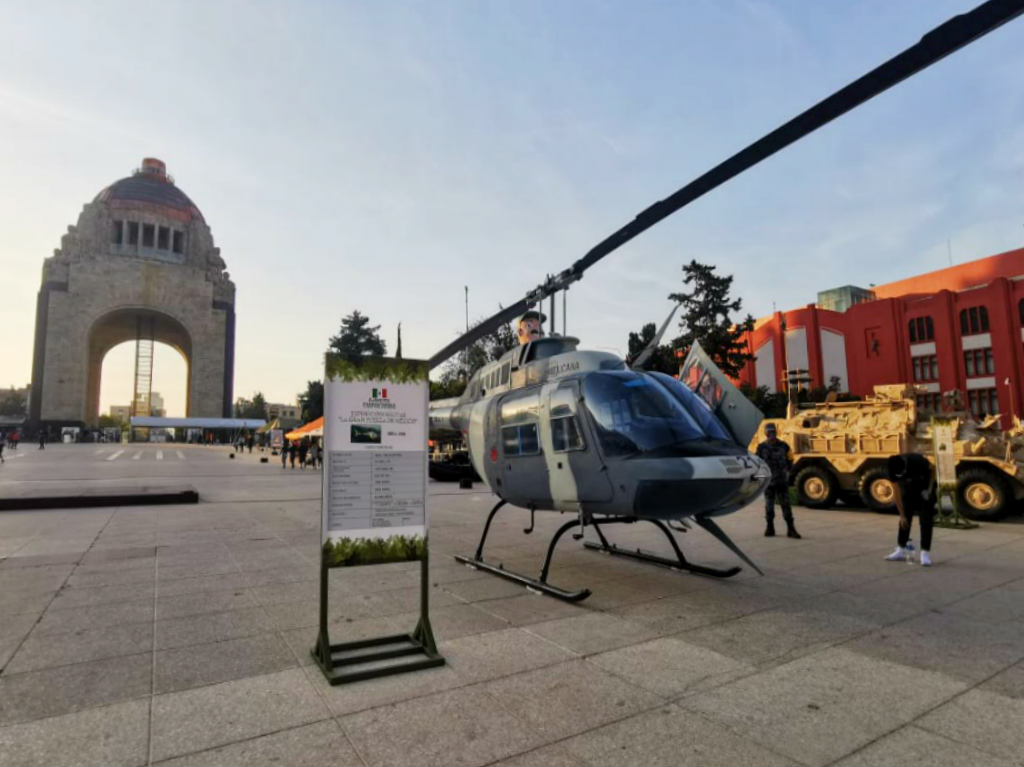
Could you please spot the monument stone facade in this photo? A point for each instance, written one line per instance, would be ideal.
(140, 261)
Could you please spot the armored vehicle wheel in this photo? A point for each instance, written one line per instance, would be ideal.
(816, 487)
(877, 490)
(982, 495)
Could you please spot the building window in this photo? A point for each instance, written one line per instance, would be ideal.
(117, 235)
(1020, 310)
(983, 402)
(148, 232)
(926, 368)
(921, 329)
(178, 242)
(929, 403)
(163, 238)
(973, 321)
(133, 233)
(979, 362)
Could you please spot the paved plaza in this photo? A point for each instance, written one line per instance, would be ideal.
(181, 635)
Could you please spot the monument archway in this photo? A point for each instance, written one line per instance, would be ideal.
(140, 263)
(135, 325)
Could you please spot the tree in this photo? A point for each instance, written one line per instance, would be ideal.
(356, 338)
(663, 358)
(772, 405)
(109, 422)
(251, 408)
(12, 403)
(311, 401)
(706, 310)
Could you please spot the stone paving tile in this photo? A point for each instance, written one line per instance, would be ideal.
(195, 571)
(62, 649)
(322, 744)
(96, 616)
(530, 608)
(210, 627)
(33, 579)
(13, 561)
(665, 736)
(87, 597)
(109, 577)
(701, 608)
(822, 707)
(290, 574)
(285, 593)
(208, 717)
(948, 644)
(913, 747)
(479, 589)
(20, 603)
(563, 700)
(985, 720)
(476, 729)
(185, 605)
(454, 621)
(1009, 682)
(783, 632)
(669, 666)
(593, 632)
(200, 585)
(500, 653)
(62, 690)
(197, 665)
(114, 735)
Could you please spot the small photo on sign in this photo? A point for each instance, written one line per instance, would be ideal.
(365, 434)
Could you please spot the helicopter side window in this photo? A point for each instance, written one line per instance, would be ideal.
(565, 434)
(519, 417)
(565, 429)
(520, 440)
(504, 372)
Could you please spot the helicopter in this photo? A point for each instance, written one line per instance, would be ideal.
(551, 427)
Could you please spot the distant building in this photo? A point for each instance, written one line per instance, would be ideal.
(278, 410)
(122, 413)
(960, 328)
(156, 405)
(841, 299)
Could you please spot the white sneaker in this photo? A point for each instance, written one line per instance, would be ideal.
(926, 559)
(899, 554)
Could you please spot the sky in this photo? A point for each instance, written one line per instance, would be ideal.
(382, 156)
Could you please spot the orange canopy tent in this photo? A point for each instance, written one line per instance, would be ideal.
(311, 429)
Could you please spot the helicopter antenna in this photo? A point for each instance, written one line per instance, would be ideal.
(934, 46)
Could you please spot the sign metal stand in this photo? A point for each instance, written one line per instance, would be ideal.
(381, 435)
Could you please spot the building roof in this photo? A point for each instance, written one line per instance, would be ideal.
(150, 186)
(960, 277)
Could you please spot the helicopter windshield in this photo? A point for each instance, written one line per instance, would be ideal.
(694, 405)
(635, 415)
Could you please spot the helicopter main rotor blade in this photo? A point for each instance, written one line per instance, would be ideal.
(933, 47)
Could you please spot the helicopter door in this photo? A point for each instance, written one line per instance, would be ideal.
(703, 377)
(575, 469)
(524, 472)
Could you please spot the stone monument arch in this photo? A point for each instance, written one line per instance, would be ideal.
(139, 265)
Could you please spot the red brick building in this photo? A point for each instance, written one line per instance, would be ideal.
(956, 328)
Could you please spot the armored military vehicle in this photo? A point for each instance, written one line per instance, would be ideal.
(840, 451)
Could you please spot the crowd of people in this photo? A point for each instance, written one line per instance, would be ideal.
(307, 451)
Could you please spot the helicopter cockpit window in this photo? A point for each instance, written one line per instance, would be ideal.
(635, 415)
(696, 406)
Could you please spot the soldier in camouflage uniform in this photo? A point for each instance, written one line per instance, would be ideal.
(774, 452)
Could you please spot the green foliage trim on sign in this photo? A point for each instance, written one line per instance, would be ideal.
(376, 369)
(352, 552)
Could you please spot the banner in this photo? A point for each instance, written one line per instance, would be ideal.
(375, 461)
(276, 438)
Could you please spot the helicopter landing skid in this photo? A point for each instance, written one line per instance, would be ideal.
(679, 563)
(534, 584)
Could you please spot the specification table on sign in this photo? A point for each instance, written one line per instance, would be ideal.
(376, 489)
